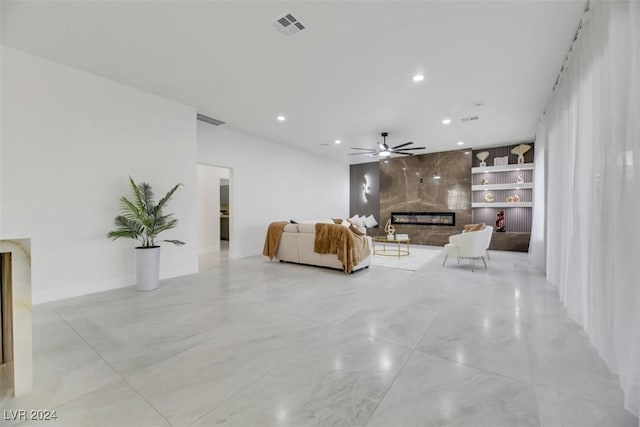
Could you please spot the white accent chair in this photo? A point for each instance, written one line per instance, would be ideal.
(488, 232)
(472, 245)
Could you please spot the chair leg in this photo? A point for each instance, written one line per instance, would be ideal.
(445, 260)
(485, 263)
(488, 257)
(459, 258)
(473, 264)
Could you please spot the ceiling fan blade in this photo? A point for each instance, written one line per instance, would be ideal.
(415, 148)
(403, 153)
(363, 153)
(402, 145)
(367, 149)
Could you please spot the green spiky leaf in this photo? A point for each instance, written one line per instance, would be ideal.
(141, 218)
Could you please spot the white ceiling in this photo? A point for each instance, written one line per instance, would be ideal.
(348, 76)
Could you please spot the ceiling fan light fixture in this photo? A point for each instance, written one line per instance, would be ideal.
(418, 78)
(384, 153)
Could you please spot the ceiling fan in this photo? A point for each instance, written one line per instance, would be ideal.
(384, 150)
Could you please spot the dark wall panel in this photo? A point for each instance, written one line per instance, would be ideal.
(364, 192)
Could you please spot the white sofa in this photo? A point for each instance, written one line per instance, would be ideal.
(297, 242)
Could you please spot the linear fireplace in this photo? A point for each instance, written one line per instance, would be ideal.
(424, 218)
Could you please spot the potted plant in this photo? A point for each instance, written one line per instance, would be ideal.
(143, 220)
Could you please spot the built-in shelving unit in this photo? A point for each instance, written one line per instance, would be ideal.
(507, 185)
(514, 186)
(503, 205)
(503, 168)
(493, 185)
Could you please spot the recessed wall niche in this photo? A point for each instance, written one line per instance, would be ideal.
(504, 185)
(364, 194)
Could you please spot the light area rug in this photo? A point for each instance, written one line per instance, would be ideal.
(419, 255)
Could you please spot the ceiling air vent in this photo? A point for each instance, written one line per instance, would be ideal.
(209, 120)
(470, 118)
(288, 25)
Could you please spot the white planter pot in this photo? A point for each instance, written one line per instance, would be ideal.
(389, 236)
(148, 268)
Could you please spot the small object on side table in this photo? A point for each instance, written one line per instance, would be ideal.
(390, 229)
(500, 225)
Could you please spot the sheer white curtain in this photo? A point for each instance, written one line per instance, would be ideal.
(591, 129)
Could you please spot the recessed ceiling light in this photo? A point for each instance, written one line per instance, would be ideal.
(337, 141)
(418, 78)
(281, 118)
(460, 142)
(446, 121)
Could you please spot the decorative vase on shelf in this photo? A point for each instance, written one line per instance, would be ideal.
(500, 225)
(520, 179)
(482, 156)
(520, 150)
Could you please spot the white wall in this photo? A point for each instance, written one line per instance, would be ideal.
(209, 207)
(271, 182)
(70, 140)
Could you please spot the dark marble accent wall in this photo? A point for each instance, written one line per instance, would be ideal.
(364, 191)
(516, 242)
(408, 184)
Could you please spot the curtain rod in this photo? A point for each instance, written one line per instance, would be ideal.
(587, 7)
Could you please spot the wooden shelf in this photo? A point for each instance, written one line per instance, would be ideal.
(502, 205)
(510, 186)
(503, 168)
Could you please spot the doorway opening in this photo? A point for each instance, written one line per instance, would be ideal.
(215, 215)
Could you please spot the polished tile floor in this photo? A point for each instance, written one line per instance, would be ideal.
(251, 343)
